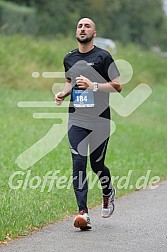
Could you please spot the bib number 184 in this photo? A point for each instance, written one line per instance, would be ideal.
(83, 98)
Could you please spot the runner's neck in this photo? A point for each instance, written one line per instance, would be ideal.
(84, 48)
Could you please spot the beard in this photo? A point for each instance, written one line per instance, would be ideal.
(85, 40)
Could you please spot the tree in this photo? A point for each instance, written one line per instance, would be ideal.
(23, 2)
(141, 22)
(55, 17)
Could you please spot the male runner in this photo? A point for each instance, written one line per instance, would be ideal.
(91, 75)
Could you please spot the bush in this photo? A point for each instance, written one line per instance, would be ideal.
(16, 19)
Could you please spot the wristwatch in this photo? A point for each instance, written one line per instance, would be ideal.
(95, 86)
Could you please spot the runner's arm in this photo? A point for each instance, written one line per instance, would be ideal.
(111, 86)
(60, 96)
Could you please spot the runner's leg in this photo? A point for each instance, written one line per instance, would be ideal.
(76, 135)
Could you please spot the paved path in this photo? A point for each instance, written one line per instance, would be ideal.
(138, 224)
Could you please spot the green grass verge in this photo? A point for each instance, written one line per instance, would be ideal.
(138, 144)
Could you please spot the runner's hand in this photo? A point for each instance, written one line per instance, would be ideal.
(83, 82)
(59, 98)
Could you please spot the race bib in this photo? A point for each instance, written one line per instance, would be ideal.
(83, 98)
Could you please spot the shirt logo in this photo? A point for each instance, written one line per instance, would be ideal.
(90, 64)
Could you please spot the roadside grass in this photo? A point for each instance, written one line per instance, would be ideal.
(138, 144)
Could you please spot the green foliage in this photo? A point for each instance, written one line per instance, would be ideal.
(142, 22)
(56, 18)
(23, 2)
(162, 35)
(16, 19)
(20, 56)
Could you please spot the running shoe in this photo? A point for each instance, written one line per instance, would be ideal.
(82, 221)
(108, 204)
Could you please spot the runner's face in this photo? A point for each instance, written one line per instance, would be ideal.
(85, 31)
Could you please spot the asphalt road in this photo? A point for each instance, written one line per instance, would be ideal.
(139, 223)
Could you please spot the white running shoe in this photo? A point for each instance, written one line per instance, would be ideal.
(82, 221)
(108, 204)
